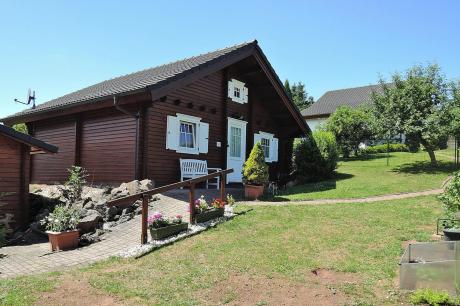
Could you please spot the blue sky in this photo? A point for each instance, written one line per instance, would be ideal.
(56, 47)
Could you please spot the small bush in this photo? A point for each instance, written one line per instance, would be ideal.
(431, 297)
(382, 148)
(63, 218)
(255, 170)
(75, 183)
(328, 149)
(315, 157)
(451, 196)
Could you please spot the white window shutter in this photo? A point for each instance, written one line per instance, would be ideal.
(257, 138)
(172, 133)
(274, 150)
(230, 89)
(244, 94)
(203, 135)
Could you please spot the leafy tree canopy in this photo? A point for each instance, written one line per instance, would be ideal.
(351, 126)
(416, 104)
(298, 94)
(21, 127)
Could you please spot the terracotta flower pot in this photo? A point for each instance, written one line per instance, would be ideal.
(61, 241)
(253, 192)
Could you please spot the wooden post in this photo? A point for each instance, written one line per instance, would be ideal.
(145, 212)
(192, 202)
(222, 186)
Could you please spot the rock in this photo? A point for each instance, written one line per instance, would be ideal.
(146, 185)
(42, 214)
(91, 221)
(92, 194)
(88, 238)
(127, 210)
(111, 212)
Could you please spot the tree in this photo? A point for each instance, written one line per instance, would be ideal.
(452, 111)
(21, 127)
(287, 86)
(351, 126)
(298, 94)
(416, 105)
(255, 169)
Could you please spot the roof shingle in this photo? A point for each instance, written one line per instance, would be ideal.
(331, 100)
(135, 81)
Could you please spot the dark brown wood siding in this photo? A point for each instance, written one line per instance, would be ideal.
(14, 160)
(205, 94)
(102, 142)
(108, 146)
(52, 168)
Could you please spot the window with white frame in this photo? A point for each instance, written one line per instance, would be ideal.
(187, 134)
(237, 91)
(265, 143)
(269, 144)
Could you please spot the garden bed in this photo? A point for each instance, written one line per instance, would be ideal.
(209, 215)
(164, 232)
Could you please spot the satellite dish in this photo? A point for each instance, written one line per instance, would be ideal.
(30, 98)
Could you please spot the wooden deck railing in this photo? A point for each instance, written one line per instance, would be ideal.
(145, 196)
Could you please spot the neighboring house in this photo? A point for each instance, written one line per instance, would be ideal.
(212, 107)
(15, 151)
(319, 111)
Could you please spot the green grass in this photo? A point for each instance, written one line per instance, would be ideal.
(283, 242)
(369, 176)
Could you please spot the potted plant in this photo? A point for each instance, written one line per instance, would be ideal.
(61, 227)
(205, 212)
(255, 173)
(452, 233)
(162, 227)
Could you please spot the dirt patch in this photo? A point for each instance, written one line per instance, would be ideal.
(76, 292)
(330, 277)
(245, 289)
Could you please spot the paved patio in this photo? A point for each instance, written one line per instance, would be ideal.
(36, 258)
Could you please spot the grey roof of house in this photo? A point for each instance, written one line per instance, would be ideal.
(27, 139)
(136, 81)
(331, 100)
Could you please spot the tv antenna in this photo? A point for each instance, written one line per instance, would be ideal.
(30, 98)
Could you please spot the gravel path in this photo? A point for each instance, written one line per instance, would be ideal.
(388, 197)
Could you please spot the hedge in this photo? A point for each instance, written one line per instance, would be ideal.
(383, 148)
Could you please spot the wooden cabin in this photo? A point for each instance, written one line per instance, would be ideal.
(211, 107)
(15, 151)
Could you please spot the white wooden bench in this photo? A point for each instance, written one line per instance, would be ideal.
(192, 168)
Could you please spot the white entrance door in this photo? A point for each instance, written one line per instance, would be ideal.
(236, 149)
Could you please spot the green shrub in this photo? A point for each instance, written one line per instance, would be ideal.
(21, 127)
(315, 157)
(382, 148)
(431, 297)
(63, 218)
(75, 183)
(451, 196)
(328, 149)
(255, 170)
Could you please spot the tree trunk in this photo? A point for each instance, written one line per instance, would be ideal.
(430, 152)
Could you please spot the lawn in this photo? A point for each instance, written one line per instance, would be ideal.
(369, 176)
(342, 253)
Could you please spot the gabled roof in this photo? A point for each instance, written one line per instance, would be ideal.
(331, 100)
(37, 146)
(156, 78)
